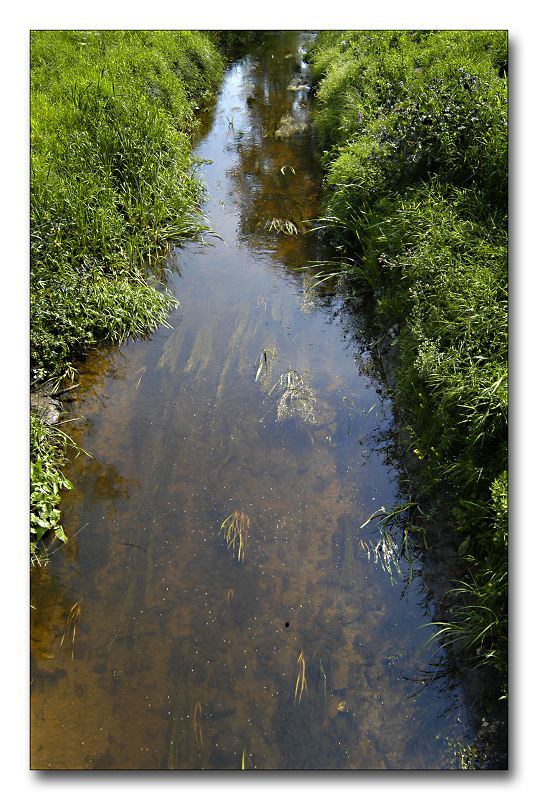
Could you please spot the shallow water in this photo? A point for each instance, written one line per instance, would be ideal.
(305, 654)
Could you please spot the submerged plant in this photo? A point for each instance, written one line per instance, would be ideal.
(297, 398)
(71, 627)
(282, 226)
(386, 551)
(196, 725)
(300, 684)
(235, 529)
(267, 357)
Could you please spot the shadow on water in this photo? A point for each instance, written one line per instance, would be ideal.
(303, 653)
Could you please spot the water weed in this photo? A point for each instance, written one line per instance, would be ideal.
(235, 530)
(296, 399)
(282, 226)
(71, 625)
(265, 364)
(300, 684)
(197, 726)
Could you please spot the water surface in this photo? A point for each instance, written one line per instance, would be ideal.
(177, 654)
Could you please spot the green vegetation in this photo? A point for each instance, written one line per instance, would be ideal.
(414, 126)
(112, 185)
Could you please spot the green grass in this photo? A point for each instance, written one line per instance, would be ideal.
(414, 130)
(112, 186)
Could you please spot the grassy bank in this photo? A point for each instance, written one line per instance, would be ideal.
(414, 131)
(112, 185)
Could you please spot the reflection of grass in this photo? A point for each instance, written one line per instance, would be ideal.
(171, 350)
(235, 339)
(201, 350)
(71, 626)
(235, 528)
(300, 684)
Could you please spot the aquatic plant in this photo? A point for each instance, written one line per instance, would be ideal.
(322, 682)
(197, 726)
(386, 551)
(235, 529)
(265, 362)
(282, 226)
(297, 398)
(300, 684)
(71, 626)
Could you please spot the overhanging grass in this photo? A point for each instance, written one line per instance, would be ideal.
(414, 126)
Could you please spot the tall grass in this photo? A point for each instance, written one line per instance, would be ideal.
(414, 126)
(112, 183)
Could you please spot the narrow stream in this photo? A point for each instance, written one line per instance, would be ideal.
(154, 644)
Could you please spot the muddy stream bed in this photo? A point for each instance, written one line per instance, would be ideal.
(154, 644)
